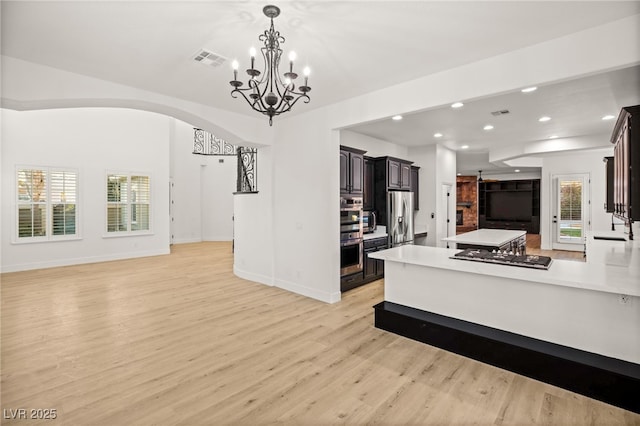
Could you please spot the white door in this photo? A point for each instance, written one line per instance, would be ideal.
(444, 215)
(570, 217)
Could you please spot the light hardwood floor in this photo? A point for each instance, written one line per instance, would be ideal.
(178, 339)
(533, 247)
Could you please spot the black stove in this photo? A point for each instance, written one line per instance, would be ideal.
(504, 258)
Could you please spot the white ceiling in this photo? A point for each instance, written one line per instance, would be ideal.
(352, 47)
(576, 108)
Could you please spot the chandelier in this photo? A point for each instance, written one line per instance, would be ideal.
(268, 92)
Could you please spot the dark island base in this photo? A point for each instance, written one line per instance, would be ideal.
(607, 379)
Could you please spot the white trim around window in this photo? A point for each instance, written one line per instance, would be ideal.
(46, 204)
(127, 204)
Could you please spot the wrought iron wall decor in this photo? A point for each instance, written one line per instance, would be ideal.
(247, 167)
(268, 92)
(206, 143)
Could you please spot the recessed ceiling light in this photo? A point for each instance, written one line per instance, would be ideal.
(517, 170)
(608, 117)
(464, 147)
(553, 136)
(459, 174)
(437, 135)
(457, 105)
(543, 119)
(396, 117)
(488, 127)
(529, 89)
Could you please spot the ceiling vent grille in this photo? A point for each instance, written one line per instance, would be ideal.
(209, 58)
(501, 112)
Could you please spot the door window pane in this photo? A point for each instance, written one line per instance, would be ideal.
(570, 209)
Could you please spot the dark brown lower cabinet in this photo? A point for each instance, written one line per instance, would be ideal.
(372, 269)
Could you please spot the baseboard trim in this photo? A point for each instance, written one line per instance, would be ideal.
(308, 292)
(83, 260)
(187, 240)
(252, 276)
(610, 380)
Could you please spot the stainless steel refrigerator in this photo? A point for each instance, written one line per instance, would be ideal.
(400, 218)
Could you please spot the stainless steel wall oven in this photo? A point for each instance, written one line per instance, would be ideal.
(350, 235)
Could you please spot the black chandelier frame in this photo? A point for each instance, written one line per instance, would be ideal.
(271, 95)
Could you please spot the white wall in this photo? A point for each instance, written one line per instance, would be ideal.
(425, 158)
(445, 175)
(254, 256)
(576, 162)
(374, 147)
(437, 167)
(202, 190)
(306, 206)
(91, 140)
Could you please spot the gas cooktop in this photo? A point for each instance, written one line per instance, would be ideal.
(504, 258)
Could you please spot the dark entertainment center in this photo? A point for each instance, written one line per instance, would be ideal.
(510, 204)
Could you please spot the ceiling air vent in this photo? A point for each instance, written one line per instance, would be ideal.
(207, 57)
(501, 112)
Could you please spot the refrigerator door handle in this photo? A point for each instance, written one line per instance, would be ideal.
(404, 212)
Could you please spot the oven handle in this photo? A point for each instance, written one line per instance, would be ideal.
(351, 242)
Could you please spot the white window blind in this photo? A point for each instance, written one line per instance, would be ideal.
(128, 203)
(63, 202)
(47, 204)
(140, 203)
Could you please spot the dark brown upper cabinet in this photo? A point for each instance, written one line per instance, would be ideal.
(368, 185)
(393, 173)
(626, 174)
(351, 170)
(415, 187)
(390, 174)
(609, 166)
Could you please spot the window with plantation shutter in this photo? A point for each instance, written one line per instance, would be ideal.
(128, 203)
(63, 202)
(47, 204)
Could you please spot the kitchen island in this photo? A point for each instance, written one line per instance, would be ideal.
(576, 325)
(490, 239)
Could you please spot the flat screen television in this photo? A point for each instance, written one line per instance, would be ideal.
(509, 205)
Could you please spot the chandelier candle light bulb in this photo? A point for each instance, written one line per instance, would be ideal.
(235, 65)
(306, 71)
(252, 54)
(292, 57)
(271, 93)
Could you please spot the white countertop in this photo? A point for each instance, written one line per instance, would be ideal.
(381, 231)
(615, 253)
(374, 235)
(486, 237)
(592, 275)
